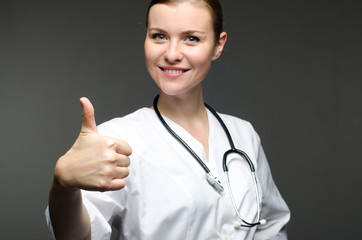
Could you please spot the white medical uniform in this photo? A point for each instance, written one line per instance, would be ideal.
(167, 195)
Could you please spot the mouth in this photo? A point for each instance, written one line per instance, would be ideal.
(173, 71)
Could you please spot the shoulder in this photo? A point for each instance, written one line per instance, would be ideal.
(138, 129)
(241, 129)
(122, 127)
(237, 123)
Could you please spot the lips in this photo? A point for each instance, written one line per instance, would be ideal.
(173, 71)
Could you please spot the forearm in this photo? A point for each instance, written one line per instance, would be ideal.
(95, 163)
(69, 216)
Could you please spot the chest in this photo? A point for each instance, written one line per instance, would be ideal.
(168, 188)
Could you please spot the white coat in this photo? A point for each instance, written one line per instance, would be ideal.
(167, 195)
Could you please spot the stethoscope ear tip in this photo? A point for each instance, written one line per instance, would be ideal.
(262, 221)
(238, 224)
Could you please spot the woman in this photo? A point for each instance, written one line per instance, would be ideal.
(166, 195)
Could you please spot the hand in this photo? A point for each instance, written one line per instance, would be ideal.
(94, 162)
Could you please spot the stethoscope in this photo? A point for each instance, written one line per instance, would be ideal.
(213, 181)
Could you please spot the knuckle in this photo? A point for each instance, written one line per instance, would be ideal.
(107, 141)
(102, 184)
(107, 171)
(124, 161)
(109, 156)
(124, 172)
(110, 142)
(125, 147)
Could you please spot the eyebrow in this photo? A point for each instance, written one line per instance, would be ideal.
(189, 32)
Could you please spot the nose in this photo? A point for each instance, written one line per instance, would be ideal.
(173, 53)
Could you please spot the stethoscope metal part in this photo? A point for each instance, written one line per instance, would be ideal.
(212, 180)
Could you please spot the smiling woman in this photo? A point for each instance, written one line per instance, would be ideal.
(164, 193)
(179, 51)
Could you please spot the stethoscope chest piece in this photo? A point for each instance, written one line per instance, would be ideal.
(214, 182)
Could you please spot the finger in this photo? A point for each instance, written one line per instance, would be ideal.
(88, 120)
(121, 173)
(122, 161)
(117, 183)
(122, 147)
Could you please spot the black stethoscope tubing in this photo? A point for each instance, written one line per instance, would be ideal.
(214, 182)
(228, 135)
(233, 149)
(207, 170)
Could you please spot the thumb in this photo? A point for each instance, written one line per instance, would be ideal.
(88, 120)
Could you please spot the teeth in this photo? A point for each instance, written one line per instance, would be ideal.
(173, 71)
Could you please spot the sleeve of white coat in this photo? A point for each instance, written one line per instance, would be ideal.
(49, 223)
(100, 226)
(274, 209)
(102, 209)
(105, 208)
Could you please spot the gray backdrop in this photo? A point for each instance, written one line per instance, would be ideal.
(292, 68)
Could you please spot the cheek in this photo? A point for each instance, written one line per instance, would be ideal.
(147, 53)
(202, 58)
(150, 53)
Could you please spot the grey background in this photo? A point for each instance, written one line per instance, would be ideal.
(292, 68)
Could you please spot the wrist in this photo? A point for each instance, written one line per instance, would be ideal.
(62, 180)
(58, 186)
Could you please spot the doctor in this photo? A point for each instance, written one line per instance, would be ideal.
(132, 174)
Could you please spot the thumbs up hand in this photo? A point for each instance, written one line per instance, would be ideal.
(94, 162)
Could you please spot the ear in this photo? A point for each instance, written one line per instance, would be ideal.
(220, 45)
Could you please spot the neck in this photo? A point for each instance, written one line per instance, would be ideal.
(183, 108)
(190, 113)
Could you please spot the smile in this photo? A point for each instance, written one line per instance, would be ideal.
(172, 71)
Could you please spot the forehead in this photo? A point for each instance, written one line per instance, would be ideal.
(183, 16)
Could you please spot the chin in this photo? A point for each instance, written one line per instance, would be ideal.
(178, 90)
(172, 92)
(180, 86)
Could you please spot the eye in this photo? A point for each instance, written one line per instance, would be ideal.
(192, 39)
(159, 36)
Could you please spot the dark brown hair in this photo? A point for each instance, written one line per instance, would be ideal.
(213, 5)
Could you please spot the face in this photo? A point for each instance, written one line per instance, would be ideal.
(180, 46)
